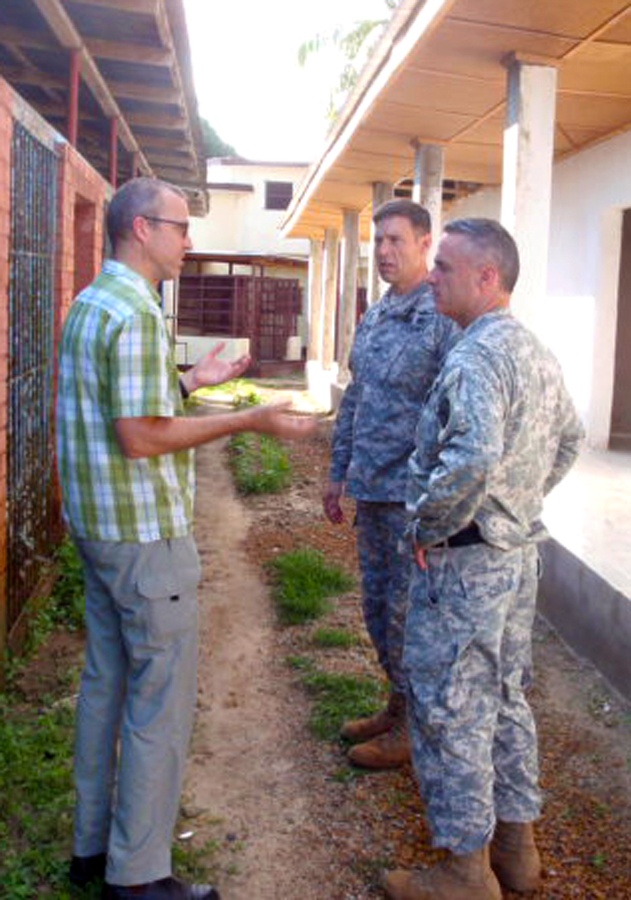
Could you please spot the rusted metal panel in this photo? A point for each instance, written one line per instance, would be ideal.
(260, 308)
(31, 531)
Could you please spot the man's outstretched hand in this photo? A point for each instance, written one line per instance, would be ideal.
(275, 419)
(210, 370)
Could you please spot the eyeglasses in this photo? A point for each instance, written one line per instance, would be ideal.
(183, 226)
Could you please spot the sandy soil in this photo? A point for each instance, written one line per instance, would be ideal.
(292, 821)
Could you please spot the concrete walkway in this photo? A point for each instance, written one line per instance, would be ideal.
(586, 585)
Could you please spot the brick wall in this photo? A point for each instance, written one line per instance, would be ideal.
(81, 195)
(81, 201)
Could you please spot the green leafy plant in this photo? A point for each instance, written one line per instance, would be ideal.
(68, 597)
(303, 582)
(300, 663)
(340, 697)
(259, 463)
(334, 638)
(238, 392)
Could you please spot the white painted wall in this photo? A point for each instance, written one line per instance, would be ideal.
(589, 192)
(237, 221)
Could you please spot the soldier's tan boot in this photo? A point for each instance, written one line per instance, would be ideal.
(387, 751)
(457, 878)
(515, 858)
(364, 729)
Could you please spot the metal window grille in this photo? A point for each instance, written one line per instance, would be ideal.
(30, 476)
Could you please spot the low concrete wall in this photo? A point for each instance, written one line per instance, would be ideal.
(591, 616)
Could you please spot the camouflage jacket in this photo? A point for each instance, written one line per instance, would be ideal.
(399, 347)
(498, 432)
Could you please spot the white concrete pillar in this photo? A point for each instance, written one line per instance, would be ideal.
(429, 166)
(381, 192)
(527, 177)
(348, 290)
(331, 253)
(315, 317)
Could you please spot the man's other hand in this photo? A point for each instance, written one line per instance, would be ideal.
(210, 370)
(331, 502)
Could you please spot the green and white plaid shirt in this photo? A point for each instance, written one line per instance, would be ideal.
(116, 361)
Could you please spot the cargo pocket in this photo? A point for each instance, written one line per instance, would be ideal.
(168, 580)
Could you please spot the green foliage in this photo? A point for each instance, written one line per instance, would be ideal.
(356, 44)
(193, 863)
(303, 581)
(300, 663)
(37, 799)
(259, 463)
(64, 608)
(239, 392)
(68, 597)
(334, 638)
(340, 697)
(246, 398)
(213, 145)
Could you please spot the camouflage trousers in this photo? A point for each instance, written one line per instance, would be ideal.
(384, 561)
(467, 644)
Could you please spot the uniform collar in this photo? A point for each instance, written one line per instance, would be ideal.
(421, 299)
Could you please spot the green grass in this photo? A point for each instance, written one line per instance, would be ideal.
(259, 463)
(334, 638)
(340, 697)
(63, 609)
(303, 582)
(239, 392)
(300, 663)
(37, 799)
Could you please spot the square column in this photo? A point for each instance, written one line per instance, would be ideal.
(348, 292)
(527, 177)
(381, 192)
(316, 256)
(331, 253)
(429, 165)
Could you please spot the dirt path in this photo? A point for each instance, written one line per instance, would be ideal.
(251, 730)
(291, 820)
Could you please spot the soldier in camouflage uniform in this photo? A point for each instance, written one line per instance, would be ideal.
(497, 433)
(399, 347)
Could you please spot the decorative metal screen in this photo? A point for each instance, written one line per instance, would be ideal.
(263, 309)
(30, 484)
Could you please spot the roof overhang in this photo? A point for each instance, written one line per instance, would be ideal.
(438, 76)
(135, 69)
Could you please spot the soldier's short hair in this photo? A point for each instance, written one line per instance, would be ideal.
(494, 244)
(417, 215)
(137, 197)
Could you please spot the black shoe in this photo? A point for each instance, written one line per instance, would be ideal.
(164, 889)
(85, 869)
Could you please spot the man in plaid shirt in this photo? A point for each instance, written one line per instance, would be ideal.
(127, 473)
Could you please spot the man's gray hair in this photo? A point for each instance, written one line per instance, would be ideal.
(417, 215)
(493, 243)
(137, 197)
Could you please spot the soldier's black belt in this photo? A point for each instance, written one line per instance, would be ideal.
(469, 535)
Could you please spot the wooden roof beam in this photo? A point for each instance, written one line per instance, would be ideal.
(63, 29)
(125, 90)
(148, 7)
(166, 37)
(11, 36)
(128, 52)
